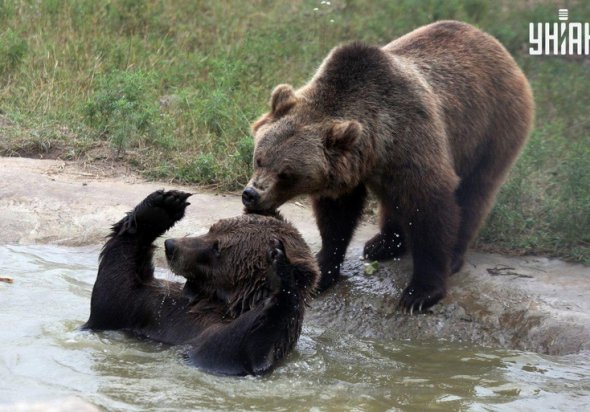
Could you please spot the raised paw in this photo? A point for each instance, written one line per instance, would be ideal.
(416, 298)
(384, 247)
(157, 213)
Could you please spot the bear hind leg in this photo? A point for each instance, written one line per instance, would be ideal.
(475, 196)
(432, 233)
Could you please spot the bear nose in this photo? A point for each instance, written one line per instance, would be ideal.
(250, 197)
(169, 246)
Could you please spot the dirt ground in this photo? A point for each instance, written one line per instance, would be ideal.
(528, 303)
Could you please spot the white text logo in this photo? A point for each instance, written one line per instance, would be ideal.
(559, 39)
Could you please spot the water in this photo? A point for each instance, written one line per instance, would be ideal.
(43, 355)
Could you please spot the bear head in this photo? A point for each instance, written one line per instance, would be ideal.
(299, 149)
(231, 259)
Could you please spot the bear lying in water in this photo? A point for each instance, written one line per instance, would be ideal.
(241, 308)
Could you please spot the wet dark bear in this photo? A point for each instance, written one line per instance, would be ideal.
(241, 309)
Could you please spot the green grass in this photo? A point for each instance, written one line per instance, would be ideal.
(172, 87)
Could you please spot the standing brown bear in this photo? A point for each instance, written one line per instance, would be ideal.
(430, 123)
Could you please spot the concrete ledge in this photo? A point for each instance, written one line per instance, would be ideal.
(531, 303)
(69, 404)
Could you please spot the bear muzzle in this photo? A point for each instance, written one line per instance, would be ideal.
(250, 198)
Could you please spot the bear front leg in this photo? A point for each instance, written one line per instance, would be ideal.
(337, 219)
(433, 233)
(390, 242)
(126, 259)
(131, 239)
(258, 339)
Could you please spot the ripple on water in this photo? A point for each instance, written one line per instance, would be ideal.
(44, 355)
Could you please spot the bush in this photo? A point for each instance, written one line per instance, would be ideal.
(124, 108)
(202, 169)
(12, 51)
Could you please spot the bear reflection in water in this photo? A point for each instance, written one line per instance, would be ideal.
(241, 308)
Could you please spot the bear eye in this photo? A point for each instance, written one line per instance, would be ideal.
(258, 162)
(215, 248)
(286, 176)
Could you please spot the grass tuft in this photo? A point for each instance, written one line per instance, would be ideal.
(123, 108)
(12, 51)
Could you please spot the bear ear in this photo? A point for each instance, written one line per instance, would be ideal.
(282, 99)
(343, 133)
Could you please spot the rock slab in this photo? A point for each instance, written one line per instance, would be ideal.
(530, 303)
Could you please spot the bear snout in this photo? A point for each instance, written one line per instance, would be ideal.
(250, 197)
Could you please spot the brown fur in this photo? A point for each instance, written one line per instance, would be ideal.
(240, 275)
(430, 123)
(242, 306)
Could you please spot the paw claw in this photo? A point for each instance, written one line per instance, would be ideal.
(420, 297)
(158, 212)
(184, 195)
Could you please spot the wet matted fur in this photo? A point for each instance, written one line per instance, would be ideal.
(241, 309)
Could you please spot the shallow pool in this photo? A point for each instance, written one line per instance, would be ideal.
(43, 355)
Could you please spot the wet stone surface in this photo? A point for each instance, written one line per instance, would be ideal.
(494, 301)
(534, 304)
